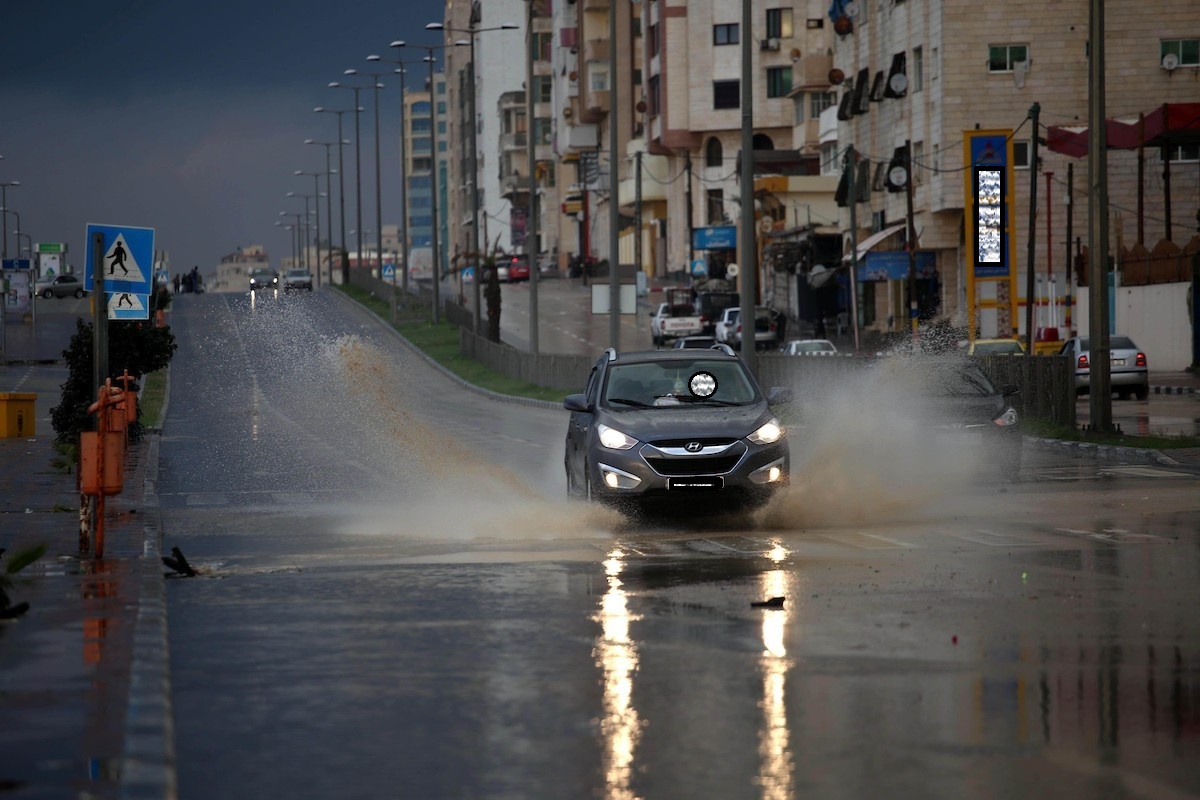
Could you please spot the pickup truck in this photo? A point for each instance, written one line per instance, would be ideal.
(675, 318)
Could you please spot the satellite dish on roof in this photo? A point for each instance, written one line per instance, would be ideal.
(1170, 61)
(731, 271)
(898, 83)
(851, 10)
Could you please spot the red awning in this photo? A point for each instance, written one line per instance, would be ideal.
(1168, 125)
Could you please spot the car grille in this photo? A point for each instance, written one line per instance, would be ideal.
(678, 463)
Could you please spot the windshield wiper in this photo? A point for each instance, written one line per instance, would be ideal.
(628, 402)
(698, 400)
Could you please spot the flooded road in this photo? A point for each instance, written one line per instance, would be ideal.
(396, 601)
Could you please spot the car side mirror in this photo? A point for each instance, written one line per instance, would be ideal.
(1009, 389)
(576, 402)
(779, 395)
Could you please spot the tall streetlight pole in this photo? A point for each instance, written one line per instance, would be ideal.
(433, 182)
(357, 175)
(401, 70)
(531, 221)
(303, 227)
(328, 207)
(4, 205)
(376, 86)
(317, 209)
(472, 160)
(341, 188)
(291, 234)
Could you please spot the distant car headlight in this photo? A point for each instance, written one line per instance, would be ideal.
(769, 433)
(613, 439)
(1009, 417)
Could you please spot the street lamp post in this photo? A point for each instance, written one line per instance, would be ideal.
(472, 160)
(401, 70)
(303, 228)
(531, 220)
(316, 212)
(291, 235)
(357, 176)
(341, 188)
(376, 86)
(4, 205)
(328, 206)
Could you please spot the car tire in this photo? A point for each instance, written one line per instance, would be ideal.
(47, 294)
(78, 293)
(1143, 392)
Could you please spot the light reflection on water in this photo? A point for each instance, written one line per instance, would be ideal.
(777, 766)
(617, 657)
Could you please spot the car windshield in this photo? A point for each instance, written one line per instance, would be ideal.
(958, 380)
(655, 384)
(297, 273)
(1114, 343)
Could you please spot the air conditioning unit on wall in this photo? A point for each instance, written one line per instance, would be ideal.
(769, 44)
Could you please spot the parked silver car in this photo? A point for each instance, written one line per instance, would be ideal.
(1129, 372)
(65, 285)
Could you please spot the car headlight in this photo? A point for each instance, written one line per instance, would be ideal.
(769, 433)
(1009, 417)
(613, 439)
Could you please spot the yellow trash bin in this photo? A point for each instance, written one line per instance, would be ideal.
(17, 417)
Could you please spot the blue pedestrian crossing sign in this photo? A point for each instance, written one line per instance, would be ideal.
(126, 305)
(389, 272)
(128, 262)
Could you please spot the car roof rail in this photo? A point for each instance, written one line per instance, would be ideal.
(611, 354)
(724, 348)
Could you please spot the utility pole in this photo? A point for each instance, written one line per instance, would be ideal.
(1030, 288)
(690, 209)
(851, 167)
(746, 255)
(1100, 388)
(910, 242)
(614, 182)
(637, 241)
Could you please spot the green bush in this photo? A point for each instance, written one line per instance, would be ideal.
(133, 345)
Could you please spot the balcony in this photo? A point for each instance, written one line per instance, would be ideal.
(596, 5)
(812, 71)
(596, 50)
(596, 106)
(512, 141)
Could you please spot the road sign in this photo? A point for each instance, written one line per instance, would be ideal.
(699, 267)
(51, 247)
(128, 259)
(127, 305)
(389, 272)
(17, 263)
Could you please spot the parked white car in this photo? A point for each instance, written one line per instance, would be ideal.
(725, 324)
(810, 347)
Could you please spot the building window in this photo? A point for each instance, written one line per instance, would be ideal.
(542, 130)
(726, 94)
(416, 201)
(419, 182)
(653, 87)
(652, 40)
(543, 88)
(421, 109)
(716, 206)
(725, 34)
(421, 125)
(422, 222)
(779, 23)
(1186, 50)
(421, 144)
(1004, 57)
(1183, 153)
(714, 154)
(422, 164)
(798, 109)
(441, 108)
(598, 77)
(1021, 154)
(821, 101)
(541, 46)
(918, 70)
(779, 81)
(441, 128)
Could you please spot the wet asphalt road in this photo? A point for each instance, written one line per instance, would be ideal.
(398, 603)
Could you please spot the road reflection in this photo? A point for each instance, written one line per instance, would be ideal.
(617, 657)
(777, 766)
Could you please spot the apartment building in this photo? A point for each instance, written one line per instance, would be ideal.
(426, 149)
(967, 68)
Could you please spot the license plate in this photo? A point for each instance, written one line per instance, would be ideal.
(696, 484)
(1118, 362)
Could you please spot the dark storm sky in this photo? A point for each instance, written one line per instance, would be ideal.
(190, 117)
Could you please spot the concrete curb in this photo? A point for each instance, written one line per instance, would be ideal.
(1107, 453)
(148, 769)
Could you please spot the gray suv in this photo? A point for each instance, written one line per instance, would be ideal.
(676, 430)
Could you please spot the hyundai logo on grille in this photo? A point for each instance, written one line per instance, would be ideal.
(693, 447)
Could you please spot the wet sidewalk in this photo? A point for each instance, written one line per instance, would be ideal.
(84, 700)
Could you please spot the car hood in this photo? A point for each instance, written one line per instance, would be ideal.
(689, 421)
(968, 410)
